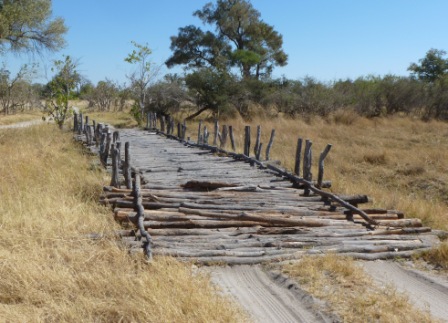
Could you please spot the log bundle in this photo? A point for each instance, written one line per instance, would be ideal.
(204, 206)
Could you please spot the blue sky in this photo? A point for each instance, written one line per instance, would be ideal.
(324, 39)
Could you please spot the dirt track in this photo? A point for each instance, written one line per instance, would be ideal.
(274, 298)
(265, 298)
(425, 291)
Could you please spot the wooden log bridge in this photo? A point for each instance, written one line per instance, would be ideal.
(200, 203)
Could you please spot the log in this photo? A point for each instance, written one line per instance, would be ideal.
(263, 220)
(205, 185)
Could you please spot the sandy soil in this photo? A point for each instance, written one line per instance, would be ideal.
(267, 298)
(272, 297)
(425, 290)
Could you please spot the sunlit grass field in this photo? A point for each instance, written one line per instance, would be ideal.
(51, 271)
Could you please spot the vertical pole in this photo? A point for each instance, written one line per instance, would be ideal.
(232, 139)
(257, 141)
(307, 161)
(247, 141)
(114, 180)
(199, 132)
(225, 133)
(271, 141)
(257, 155)
(322, 157)
(298, 157)
(215, 134)
(75, 122)
(127, 166)
(80, 125)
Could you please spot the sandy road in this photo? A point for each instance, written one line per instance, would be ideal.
(266, 298)
(273, 298)
(425, 291)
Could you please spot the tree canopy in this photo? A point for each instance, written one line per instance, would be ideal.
(240, 39)
(27, 25)
(431, 67)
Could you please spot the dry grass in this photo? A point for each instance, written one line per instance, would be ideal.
(350, 293)
(121, 119)
(19, 117)
(51, 273)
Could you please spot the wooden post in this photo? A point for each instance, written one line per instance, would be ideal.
(93, 130)
(307, 161)
(148, 118)
(322, 157)
(232, 139)
(257, 141)
(225, 133)
(118, 146)
(162, 123)
(215, 134)
(98, 133)
(184, 129)
(75, 122)
(205, 136)
(172, 126)
(115, 156)
(154, 120)
(298, 157)
(247, 141)
(107, 149)
(257, 155)
(138, 207)
(80, 125)
(271, 141)
(179, 130)
(116, 137)
(87, 121)
(199, 132)
(127, 166)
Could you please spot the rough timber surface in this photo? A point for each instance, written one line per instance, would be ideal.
(247, 215)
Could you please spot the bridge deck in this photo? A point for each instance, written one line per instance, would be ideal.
(208, 208)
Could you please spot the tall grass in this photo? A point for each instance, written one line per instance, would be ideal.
(51, 272)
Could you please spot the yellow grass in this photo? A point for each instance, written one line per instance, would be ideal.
(50, 271)
(20, 117)
(350, 293)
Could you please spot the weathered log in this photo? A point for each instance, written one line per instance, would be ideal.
(408, 223)
(205, 185)
(258, 218)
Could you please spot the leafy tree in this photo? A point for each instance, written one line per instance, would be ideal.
(166, 97)
(16, 91)
(61, 89)
(241, 40)
(101, 96)
(141, 77)
(27, 25)
(431, 67)
(210, 89)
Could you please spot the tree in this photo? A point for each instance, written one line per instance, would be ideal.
(27, 25)
(166, 97)
(241, 40)
(104, 94)
(62, 88)
(16, 91)
(141, 77)
(431, 67)
(210, 89)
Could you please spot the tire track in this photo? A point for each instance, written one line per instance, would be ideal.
(424, 292)
(262, 297)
